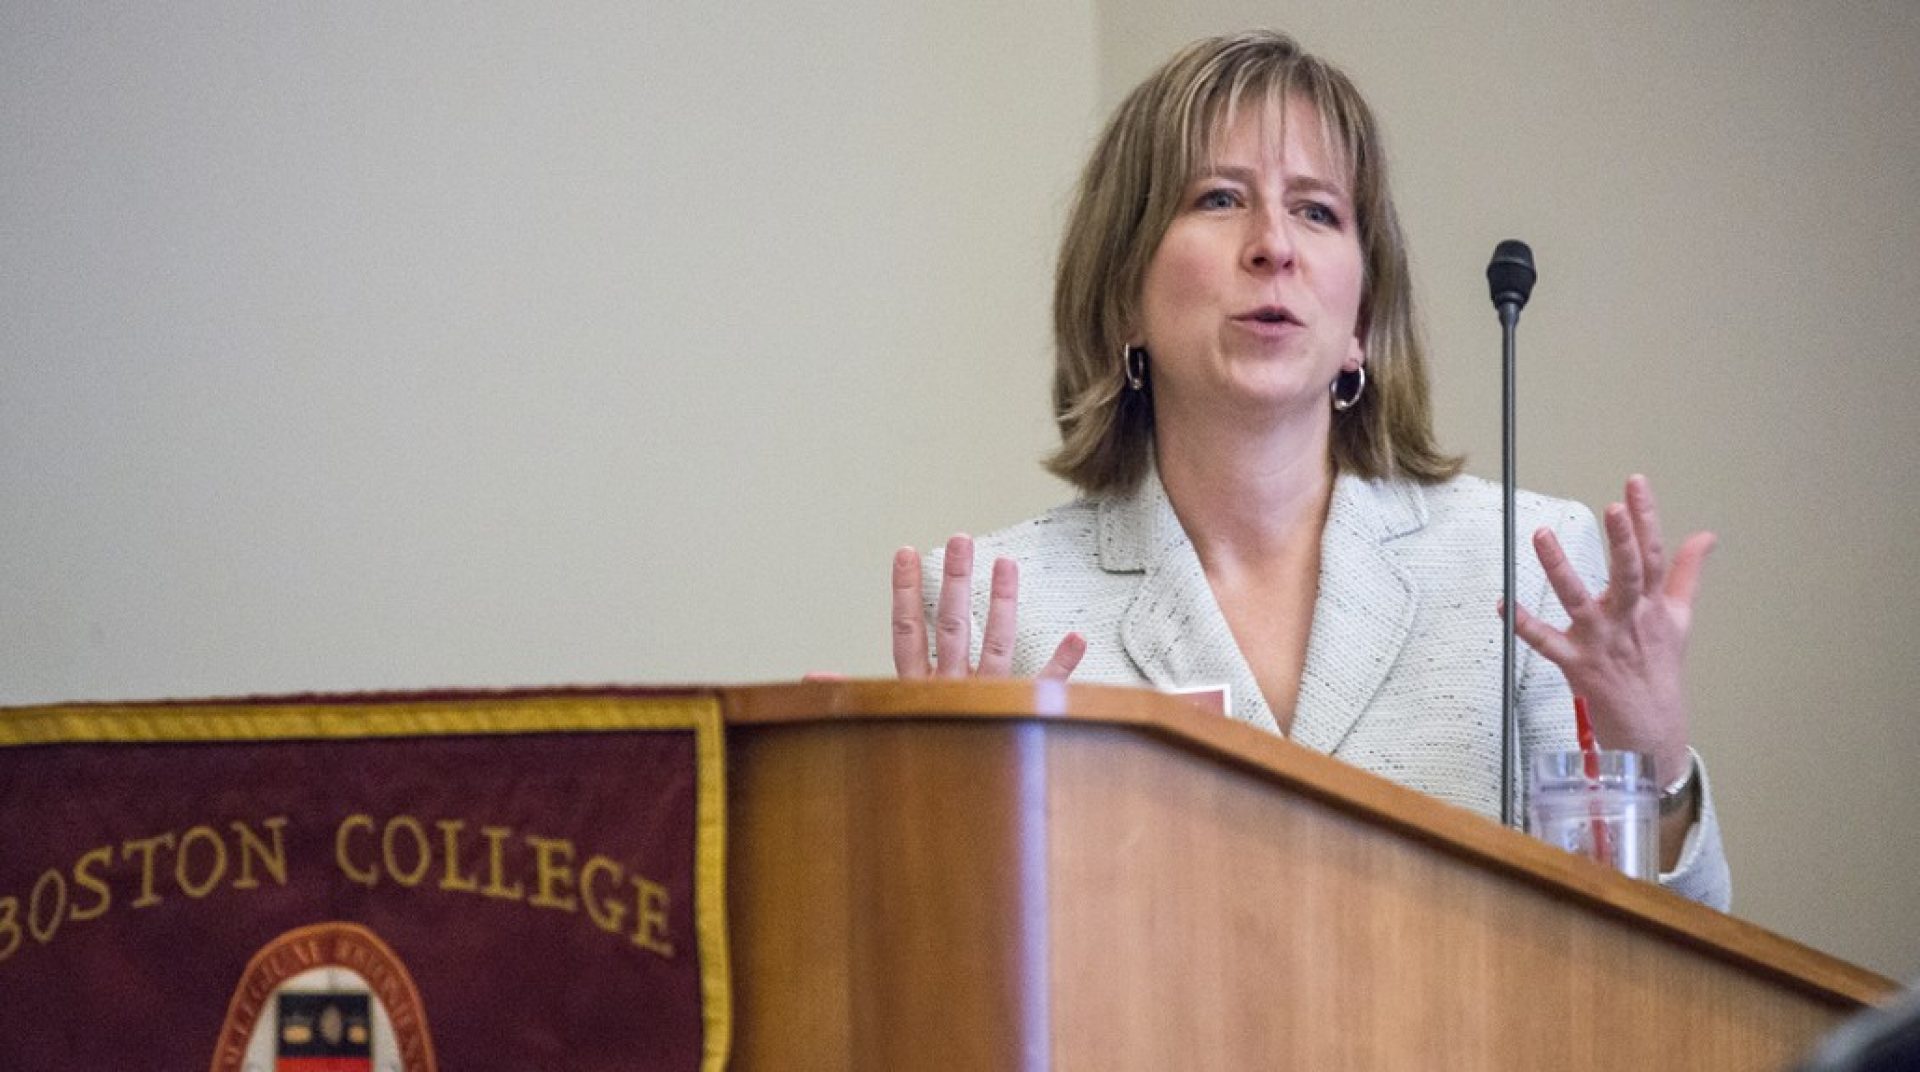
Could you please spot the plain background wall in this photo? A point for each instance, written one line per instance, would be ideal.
(368, 345)
(350, 347)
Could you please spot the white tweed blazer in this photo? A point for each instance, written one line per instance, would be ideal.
(1402, 675)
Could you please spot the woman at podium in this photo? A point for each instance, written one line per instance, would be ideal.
(1242, 401)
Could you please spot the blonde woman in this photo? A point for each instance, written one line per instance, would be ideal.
(1242, 400)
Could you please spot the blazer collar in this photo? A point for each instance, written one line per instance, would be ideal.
(1176, 636)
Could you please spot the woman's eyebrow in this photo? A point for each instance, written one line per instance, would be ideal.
(1296, 183)
(1318, 185)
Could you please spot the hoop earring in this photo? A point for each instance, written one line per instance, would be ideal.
(1134, 358)
(1341, 405)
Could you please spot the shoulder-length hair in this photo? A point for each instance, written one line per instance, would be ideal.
(1133, 187)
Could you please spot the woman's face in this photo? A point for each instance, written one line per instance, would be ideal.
(1252, 298)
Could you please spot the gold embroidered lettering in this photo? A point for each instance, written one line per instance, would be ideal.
(146, 847)
(253, 846)
(45, 934)
(10, 937)
(83, 876)
(552, 868)
(606, 910)
(451, 878)
(365, 876)
(206, 835)
(496, 855)
(650, 917)
(422, 852)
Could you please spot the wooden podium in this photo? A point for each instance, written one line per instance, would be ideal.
(1024, 875)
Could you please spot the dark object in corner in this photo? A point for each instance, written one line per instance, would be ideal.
(1886, 1039)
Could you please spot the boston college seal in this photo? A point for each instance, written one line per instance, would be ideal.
(327, 998)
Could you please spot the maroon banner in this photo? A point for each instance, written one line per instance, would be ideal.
(381, 885)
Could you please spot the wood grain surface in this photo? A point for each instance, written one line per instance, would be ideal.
(1013, 875)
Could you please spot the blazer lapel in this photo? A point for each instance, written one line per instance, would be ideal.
(1173, 630)
(1364, 612)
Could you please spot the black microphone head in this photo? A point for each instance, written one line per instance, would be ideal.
(1510, 274)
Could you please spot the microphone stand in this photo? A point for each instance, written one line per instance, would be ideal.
(1509, 712)
(1510, 277)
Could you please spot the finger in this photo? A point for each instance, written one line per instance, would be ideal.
(996, 641)
(1644, 512)
(816, 676)
(953, 614)
(909, 620)
(1684, 582)
(1065, 657)
(1544, 638)
(1623, 561)
(1561, 575)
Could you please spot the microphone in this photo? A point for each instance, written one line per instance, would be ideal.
(1510, 277)
(1510, 274)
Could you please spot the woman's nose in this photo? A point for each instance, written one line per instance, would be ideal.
(1270, 245)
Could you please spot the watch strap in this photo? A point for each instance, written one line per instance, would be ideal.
(1678, 793)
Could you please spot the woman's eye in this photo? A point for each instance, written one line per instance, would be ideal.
(1218, 199)
(1314, 212)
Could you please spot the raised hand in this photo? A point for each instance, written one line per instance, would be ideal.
(1625, 649)
(953, 620)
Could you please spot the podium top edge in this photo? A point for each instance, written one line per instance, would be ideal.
(1178, 722)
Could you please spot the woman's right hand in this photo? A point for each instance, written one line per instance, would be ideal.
(953, 620)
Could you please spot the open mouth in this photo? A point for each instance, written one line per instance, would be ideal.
(1269, 314)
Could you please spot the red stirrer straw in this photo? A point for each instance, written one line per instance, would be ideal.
(1583, 726)
(1583, 729)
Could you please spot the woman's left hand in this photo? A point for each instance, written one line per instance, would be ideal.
(1624, 650)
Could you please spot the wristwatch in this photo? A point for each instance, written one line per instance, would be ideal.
(1678, 793)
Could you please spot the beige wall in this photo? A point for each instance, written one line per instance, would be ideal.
(367, 345)
(347, 347)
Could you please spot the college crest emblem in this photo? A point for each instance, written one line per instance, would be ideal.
(327, 998)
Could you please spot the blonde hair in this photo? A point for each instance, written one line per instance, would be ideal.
(1131, 190)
